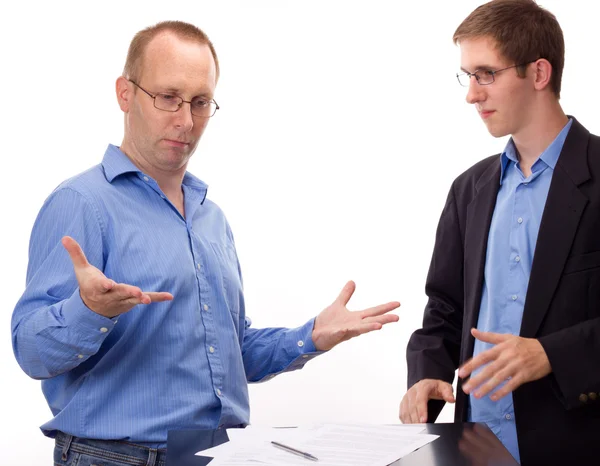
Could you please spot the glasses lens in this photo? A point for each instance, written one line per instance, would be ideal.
(168, 102)
(463, 79)
(203, 108)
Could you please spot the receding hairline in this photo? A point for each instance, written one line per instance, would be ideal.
(177, 29)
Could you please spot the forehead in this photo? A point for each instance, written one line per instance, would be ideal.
(174, 63)
(480, 52)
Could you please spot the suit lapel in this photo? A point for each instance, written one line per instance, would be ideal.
(479, 218)
(562, 212)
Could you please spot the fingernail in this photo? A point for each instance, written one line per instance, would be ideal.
(423, 419)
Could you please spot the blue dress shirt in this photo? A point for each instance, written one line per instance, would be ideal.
(510, 248)
(181, 364)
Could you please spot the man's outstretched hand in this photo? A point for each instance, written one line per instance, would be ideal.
(336, 323)
(101, 294)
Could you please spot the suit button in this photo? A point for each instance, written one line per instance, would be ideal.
(583, 398)
(592, 396)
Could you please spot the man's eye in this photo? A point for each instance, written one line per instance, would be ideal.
(200, 103)
(487, 72)
(167, 97)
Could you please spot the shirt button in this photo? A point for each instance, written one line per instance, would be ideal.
(518, 258)
(198, 265)
(514, 297)
(146, 178)
(162, 196)
(508, 417)
(104, 330)
(300, 343)
(520, 220)
(211, 349)
(205, 307)
(218, 392)
(80, 356)
(305, 356)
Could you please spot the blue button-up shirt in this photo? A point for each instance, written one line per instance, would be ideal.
(510, 248)
(171, 365)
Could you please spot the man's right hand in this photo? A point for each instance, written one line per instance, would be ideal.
(101, 294)
(413, 408)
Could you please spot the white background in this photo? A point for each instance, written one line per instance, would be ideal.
(341, 129)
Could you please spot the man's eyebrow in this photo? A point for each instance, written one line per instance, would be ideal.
(176, 91)
(479, 67)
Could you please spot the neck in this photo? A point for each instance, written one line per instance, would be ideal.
(169, 181)
(542, 128)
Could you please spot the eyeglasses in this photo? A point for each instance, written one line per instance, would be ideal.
(200, 107)
(483, 77)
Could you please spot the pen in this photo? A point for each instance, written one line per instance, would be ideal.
(303, 454)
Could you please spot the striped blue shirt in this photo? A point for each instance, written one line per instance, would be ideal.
(510, 248)
(182, 364)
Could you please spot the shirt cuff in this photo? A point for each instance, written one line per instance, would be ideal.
(90, 325)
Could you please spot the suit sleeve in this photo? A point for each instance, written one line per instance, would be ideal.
(574, 354)
(433, 351)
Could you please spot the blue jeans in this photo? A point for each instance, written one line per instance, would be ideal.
(75, 451)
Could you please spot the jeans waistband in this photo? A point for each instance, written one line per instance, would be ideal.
(124, 452)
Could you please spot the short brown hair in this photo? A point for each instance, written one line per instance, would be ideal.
(523, 32)
(133, 64)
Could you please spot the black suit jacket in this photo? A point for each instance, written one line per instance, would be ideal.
(558, 416)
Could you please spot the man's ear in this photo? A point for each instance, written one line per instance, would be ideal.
(542, 73)
(124, 93)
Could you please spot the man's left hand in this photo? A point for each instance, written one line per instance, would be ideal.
(514, 360)
(336, 323)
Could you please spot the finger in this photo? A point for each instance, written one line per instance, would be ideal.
(490, 385)
(75, 252)
(381, 309)
(346, 293)
(344, 334)
(108, 284)
(478, 361)
(487, 373)
(490, 337)
(420, 413)
(403, 410)
(445, 392)
(124, 291)
(413, 414)
(363, 328)
(159, 296)
(510, 386)
(384, 319)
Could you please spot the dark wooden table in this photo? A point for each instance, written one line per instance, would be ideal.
(465, 444)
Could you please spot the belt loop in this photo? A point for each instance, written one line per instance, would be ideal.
(66, 446)
(152, 453)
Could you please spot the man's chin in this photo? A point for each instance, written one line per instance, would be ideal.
(496, 131)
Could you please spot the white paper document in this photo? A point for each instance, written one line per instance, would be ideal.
(332, 444)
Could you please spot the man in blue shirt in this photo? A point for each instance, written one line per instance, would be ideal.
(514, 283)
(133, 315)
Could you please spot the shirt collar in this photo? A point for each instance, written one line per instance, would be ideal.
(549, 156)
(115, 163)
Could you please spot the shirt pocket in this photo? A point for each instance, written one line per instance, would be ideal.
(229, 271)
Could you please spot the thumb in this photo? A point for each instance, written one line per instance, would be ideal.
(444, 392)
(346, 293)
(75, 252)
